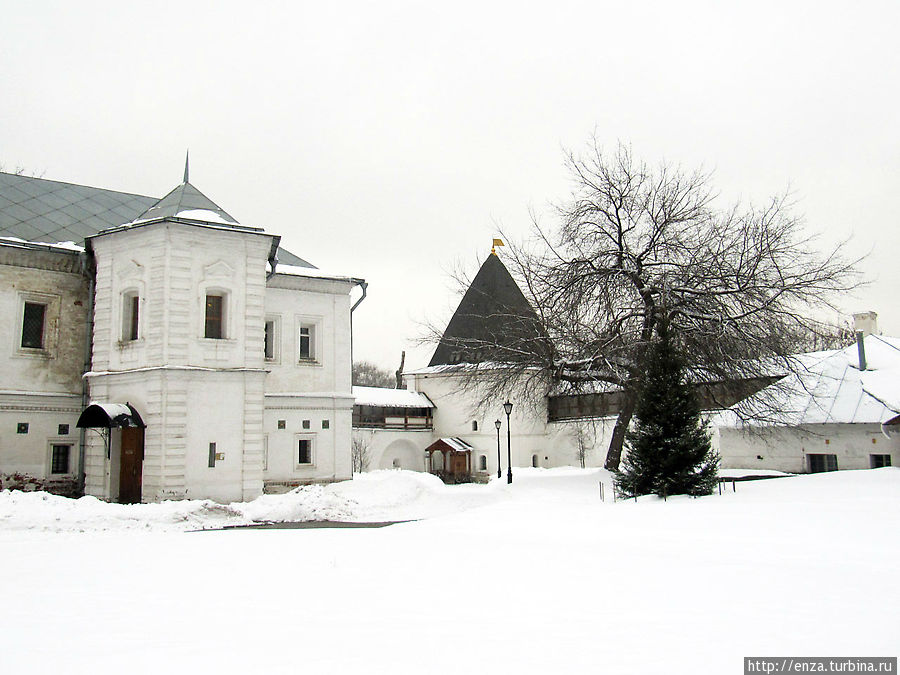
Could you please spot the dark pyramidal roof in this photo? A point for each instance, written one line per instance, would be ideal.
(184, 198)
(49, 211)
(493, 322)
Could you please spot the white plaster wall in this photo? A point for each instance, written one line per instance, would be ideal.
(531, 434)
(58, 367)
(331, 446)
(30, 453)
(387, 445)
(173, 266)
(785, 449)
(325, 304)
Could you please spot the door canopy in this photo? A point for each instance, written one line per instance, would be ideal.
(110, 415)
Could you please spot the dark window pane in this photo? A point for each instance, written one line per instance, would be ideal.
(33, 326)
(135, 317)
(214, 317)
(305, 451)
(60, 459)
(269, 341)
(305, 343)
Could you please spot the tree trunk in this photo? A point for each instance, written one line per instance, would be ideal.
(614, 453)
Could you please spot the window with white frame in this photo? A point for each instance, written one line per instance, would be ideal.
(306, 342)
(304, 449)
(131, 316)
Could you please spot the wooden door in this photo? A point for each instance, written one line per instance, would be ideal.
(131, 465)
(458, 464)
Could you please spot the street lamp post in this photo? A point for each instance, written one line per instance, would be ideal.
(508, 408)
(497, 424)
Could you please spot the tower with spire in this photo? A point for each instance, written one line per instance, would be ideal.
(493, 322)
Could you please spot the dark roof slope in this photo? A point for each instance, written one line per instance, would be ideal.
(49, 211)
(184, 198)
(493, 322)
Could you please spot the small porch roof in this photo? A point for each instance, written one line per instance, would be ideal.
(109, 415)
(449, 444)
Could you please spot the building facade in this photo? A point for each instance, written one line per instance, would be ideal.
(236, 367)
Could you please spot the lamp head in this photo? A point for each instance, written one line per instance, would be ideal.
(497, 424)
(507, 407)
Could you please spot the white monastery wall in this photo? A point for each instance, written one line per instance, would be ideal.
(787, 448)
(323, 306)
(40, 388)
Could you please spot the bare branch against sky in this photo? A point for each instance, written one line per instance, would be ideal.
(386, 139)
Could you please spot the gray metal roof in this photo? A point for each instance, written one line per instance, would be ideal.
(49, 211)
(184, 198)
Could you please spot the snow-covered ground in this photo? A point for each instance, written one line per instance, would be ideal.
(540, 576)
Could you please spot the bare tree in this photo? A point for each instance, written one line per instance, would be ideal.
(583, 433)
(368, 374)
(637, 246)
(360, 443)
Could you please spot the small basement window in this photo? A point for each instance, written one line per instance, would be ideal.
(879, 461)
(819, 463)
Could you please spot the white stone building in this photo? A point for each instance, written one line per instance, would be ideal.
(235, 365)
(832, 416)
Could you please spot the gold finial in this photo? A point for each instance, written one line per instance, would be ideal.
(497, 242)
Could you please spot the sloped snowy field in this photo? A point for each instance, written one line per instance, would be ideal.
(540, 576)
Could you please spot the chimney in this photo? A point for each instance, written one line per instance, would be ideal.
(865, 323)
(861, 349)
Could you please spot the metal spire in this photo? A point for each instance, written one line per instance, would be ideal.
(186, 154)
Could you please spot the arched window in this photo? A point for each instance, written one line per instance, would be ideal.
(534, 461)
(482, 463)
(474, 425)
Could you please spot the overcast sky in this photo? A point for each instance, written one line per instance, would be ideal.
(388, 140)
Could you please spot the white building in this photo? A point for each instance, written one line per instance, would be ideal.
(831, 417)
(832, 413)
(236, 366)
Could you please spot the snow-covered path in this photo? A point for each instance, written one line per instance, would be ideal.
(537, 577)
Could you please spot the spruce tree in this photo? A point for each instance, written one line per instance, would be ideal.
(669, 449)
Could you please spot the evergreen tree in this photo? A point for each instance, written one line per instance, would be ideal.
(669, 450)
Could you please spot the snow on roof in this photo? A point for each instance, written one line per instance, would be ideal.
(457, 444)
(70, 246)
(311, 272)
(113, 409)
(832, 390)
(204, 215)
(390, 398)
(462, 367)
